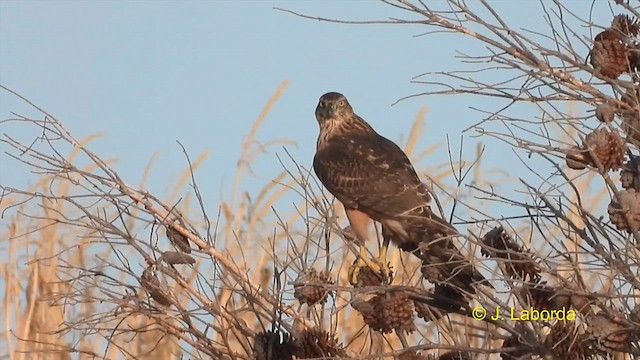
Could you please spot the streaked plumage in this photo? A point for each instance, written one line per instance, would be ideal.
(373, 178)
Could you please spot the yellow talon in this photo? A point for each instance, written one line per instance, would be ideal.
(378, 266)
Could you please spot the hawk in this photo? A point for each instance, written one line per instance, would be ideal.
(374, 179)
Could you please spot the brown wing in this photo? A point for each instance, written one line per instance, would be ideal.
(370, 173)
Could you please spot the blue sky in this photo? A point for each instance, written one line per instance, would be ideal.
(148, 74)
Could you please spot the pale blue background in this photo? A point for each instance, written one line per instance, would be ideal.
(150, 73)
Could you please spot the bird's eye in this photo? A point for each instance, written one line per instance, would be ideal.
(321, 104)
(341, 103)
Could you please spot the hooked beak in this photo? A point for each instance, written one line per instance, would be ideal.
(326, 111)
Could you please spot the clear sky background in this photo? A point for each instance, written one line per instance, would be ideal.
(148, 74)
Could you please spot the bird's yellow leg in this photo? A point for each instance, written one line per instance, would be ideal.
(378, 266)
(385, 269)
(361, 262)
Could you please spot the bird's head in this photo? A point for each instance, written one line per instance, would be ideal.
(333, 107)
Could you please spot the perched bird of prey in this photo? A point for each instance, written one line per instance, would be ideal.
(373, 178)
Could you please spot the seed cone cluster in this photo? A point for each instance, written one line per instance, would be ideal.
(518, 263)
(615, 50)
(566, 342)
(311, 343)
(387, 312)
(368, 277)
(625, 213)
(607, 147)
(311, 286)
(315, 343)
(273, 345)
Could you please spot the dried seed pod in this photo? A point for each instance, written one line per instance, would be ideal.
(273, 345)
(577, 158)
(154, 287)
(610, 331)
(180, 241)
(613, 49)
(368, 277)
(387, 312)
(543, 297)
(175, 258)
(313, 343)
(311, 286)
(567, 343)
(609, 57)
(605, 113)
(630, 174)
(519, 263)
(607, 146)
(629, 205)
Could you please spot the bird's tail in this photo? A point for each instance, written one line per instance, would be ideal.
(431, 239)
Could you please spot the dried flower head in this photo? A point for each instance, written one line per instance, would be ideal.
(518, 263)
(608, 148)
(311, 286)
(176, 258)
(613, 53)
(387, 312)
(158, 291)
(180, 241)
(577, 158)
(605, 113)
(314, 343)
(609, 55)
(273, 345)
(625, 215)
(368, 277)
(566, 342)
